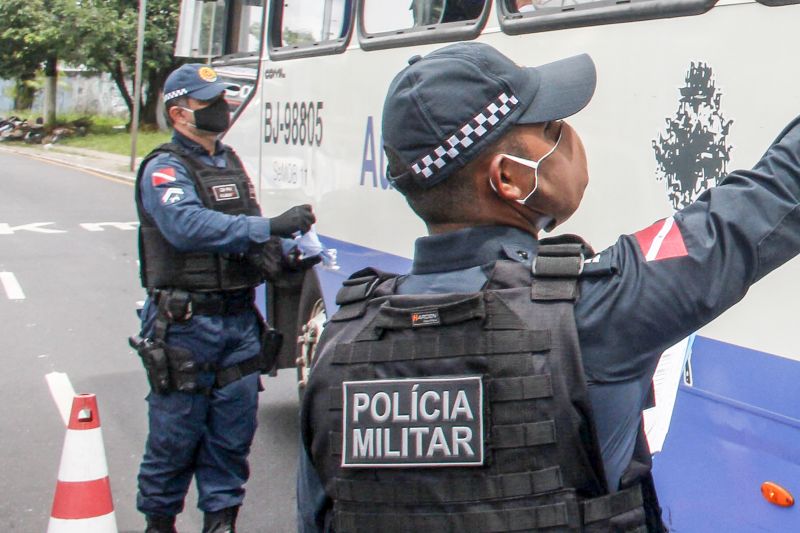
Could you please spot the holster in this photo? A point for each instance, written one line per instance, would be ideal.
(155, 361)
(271, 343)
(183, 370)
(171, 368)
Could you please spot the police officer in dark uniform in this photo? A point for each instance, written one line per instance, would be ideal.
(203, 247)
(499, 386)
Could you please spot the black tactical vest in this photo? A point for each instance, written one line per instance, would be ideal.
(228, 190)
(464, 412)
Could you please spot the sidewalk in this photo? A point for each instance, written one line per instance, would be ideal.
(113, 165)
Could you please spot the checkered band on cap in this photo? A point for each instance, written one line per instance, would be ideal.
(174, 94)
(465, 136)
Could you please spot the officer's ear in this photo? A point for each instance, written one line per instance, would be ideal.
(174, 114)
(507, 179)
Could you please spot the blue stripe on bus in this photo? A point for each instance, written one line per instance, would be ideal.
(352, 258)
(734, 428)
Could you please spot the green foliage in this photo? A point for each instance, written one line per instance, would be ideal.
(100, 34)
(30, 32)
(106, 31)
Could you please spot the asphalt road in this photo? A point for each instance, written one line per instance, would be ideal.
(68, 293)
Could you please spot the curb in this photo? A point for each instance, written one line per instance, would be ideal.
(34, 153)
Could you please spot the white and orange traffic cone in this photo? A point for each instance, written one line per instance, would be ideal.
(82, 503)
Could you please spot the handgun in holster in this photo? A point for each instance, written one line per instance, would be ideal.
(155, 361)
(169, 368)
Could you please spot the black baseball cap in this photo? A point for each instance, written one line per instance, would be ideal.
(443, 109)
(196, 81)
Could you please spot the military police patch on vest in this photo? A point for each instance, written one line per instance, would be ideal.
(419, 422)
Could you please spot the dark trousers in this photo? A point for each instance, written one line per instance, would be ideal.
(207, 437)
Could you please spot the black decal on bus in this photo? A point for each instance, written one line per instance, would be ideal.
(693, 152)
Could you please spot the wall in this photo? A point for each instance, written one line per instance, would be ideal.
(79, 92)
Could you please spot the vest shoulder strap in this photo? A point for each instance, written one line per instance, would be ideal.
(359, 289)
(557, 267)
(561, 257)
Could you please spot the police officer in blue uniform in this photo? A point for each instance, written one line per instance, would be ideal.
(553, 346)
(203, 248)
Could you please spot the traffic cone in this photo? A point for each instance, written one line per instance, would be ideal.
(82, 503)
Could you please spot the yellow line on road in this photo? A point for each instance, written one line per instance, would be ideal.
(86, 170)
(79, 168)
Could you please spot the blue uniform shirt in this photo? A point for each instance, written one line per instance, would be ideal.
(638, 297)
(170, 198)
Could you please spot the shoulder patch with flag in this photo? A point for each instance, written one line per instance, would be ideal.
(163, 175)
(662, 240)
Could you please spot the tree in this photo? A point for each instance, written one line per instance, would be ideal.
(32, 36)
(100, 34)
(106, 33)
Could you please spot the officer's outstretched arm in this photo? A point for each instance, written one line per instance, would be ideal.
(666, 281)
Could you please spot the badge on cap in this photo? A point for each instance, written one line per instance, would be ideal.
(207, 74)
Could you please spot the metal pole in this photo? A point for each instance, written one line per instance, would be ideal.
(137, 83)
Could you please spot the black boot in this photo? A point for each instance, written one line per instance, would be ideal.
(222, 521)
(160, 524)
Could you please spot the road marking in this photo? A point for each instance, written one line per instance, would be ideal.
(36, 227)
(11, 286)
(98, 226)
(62, 392)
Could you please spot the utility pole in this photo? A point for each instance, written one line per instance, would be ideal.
(137, 83)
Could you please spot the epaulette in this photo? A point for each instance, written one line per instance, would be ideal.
(602, 264)
(558, 250)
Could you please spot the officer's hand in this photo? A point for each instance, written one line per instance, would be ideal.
(298, 218)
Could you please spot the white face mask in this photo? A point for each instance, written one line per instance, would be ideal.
(545, 222)
(531, 164)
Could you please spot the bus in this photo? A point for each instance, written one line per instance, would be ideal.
(687, 91)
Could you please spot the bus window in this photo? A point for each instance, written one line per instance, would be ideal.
(393, 23)
(245, 27)
(526, 16)
(301, 28)
(527, 7)
(210, 29)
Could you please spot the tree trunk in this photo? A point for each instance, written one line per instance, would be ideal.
(118, 75)
(155, 82)
(50, 90)
(24, 93)
(153, 103)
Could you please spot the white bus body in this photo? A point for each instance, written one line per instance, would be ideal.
(737, 416)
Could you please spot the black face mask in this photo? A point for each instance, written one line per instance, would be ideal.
(215, 118)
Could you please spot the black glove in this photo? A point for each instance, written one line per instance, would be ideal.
(298, 218)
